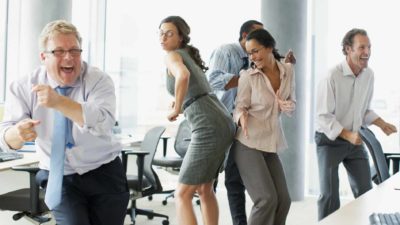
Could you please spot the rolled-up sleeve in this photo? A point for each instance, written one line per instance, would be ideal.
(326, 118)
(292, 96)
(218, 76)
(99, 107)
(243, 99)
(17, 108)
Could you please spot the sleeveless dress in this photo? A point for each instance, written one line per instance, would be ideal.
(211, 126)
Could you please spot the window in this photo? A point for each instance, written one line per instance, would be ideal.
(134, 58)
(379, 20)
(3, 49)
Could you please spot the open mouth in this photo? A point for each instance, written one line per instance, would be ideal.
(67, 69)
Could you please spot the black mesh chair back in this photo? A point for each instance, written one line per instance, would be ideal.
(376, 152)
(149, 183)
(149, 144)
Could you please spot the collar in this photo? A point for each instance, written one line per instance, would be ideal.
(282, 74)
(347, 70)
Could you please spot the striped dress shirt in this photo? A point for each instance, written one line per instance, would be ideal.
(226, 61)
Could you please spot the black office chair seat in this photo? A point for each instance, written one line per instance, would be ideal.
(170, 161)
(17, 200)
(133, 182)
(27, 202)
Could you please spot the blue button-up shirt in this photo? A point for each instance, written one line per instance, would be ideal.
(226, 61)
(94, 145)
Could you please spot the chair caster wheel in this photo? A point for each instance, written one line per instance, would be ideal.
(17, 216)
(165, 222)
(164, 202)
(150, 197)
(150, 217)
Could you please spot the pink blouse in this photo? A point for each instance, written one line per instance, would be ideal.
(256, 97)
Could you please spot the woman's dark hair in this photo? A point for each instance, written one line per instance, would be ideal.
(184, 31)
(265, 38)
(348, 39)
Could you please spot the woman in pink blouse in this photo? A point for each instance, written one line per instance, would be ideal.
(264, 92)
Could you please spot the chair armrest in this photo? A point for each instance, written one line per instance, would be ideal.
(395, 158)
(392, 155)
(165, 144)
(140, 161)
(30, 169)
(33, 186)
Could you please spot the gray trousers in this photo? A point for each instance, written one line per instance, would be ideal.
(355, 160)
(264, 179)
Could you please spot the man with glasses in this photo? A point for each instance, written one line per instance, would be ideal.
(68, 108)
(225, 64)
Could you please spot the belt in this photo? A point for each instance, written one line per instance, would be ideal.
(192, 99)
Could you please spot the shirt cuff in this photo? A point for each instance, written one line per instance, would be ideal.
(335, 131)
(90, 116)
(237, 115)
(370, 117)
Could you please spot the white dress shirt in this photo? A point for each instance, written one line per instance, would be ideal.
(94, 145)
(343, 101)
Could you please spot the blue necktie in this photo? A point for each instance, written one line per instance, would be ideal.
(62, 138)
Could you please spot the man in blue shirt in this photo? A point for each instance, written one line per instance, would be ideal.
(225, 64)
(93, 182)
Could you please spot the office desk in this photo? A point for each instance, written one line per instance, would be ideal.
(29, 158)
(381, 199)
(133, 137)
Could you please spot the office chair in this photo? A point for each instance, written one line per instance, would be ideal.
(28, 202)
(143, 186)
(395, 159)
(376, 152)
(181, 144)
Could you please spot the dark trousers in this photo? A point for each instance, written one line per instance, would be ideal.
(236, 191)
(98, 197)
(355, 160)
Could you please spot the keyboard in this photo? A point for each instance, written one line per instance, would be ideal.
(384, 219)
(6, 156)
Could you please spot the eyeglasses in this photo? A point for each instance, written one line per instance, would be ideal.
(254, 51)
(168, 33)
(75, 52)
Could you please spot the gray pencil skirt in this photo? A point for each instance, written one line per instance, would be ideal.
(212, 135)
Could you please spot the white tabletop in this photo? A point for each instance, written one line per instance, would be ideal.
(384, 198)
(29, 158)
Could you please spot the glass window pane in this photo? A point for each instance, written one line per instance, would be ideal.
(3, 49)
(379, 20)
(134, 56)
